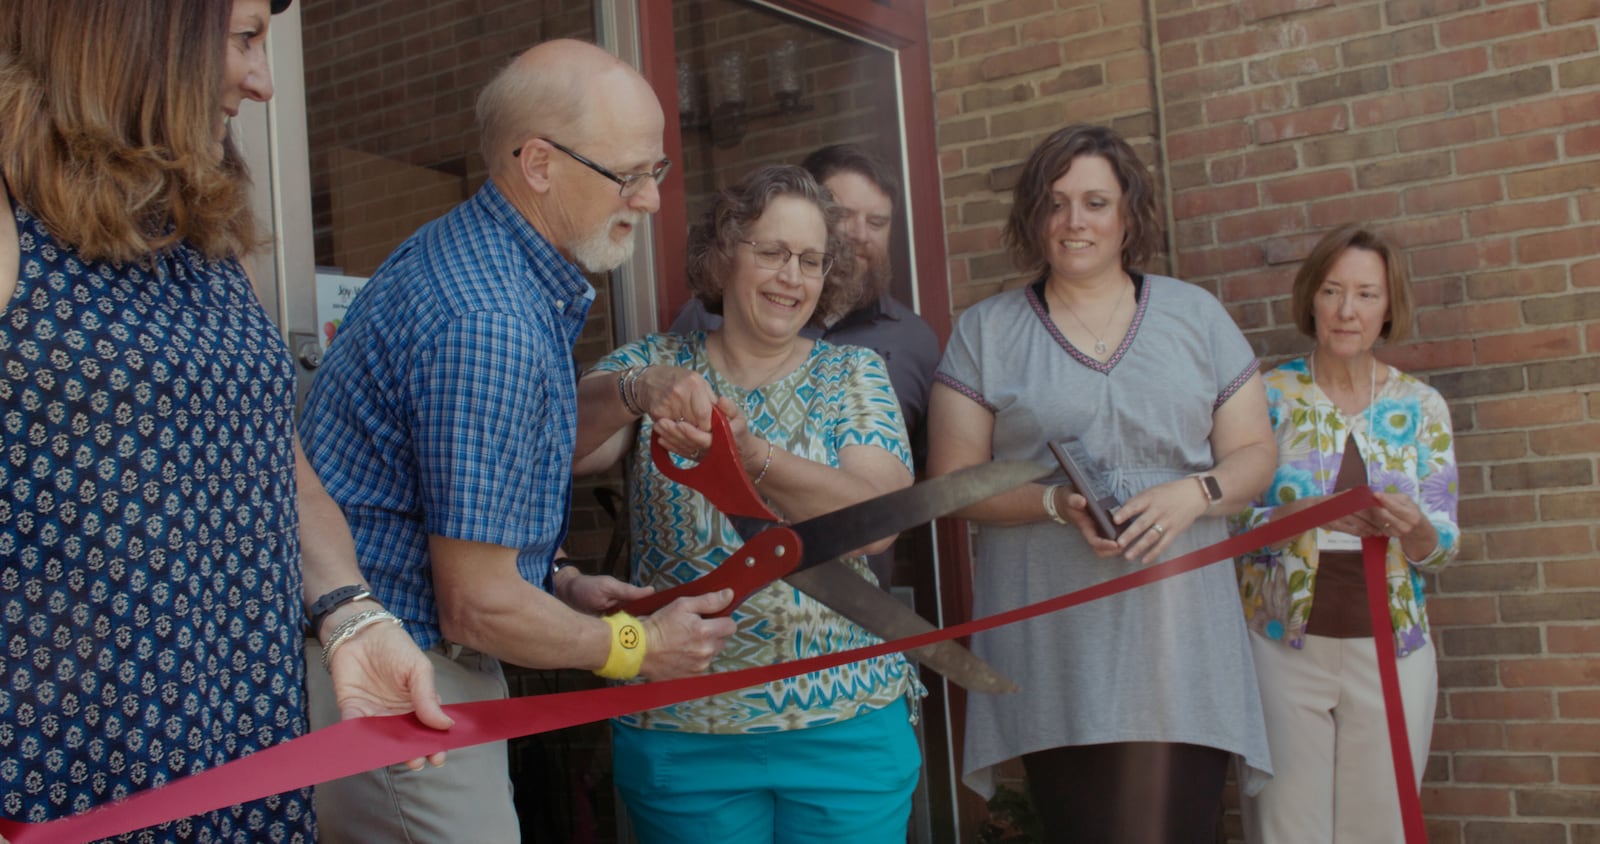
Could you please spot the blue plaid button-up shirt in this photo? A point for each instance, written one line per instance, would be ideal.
(447, 403)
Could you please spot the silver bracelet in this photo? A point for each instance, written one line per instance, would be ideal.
(1050, 505)
(348, 629)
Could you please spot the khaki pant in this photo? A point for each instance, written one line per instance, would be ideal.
(467, 799)
(1333, 773)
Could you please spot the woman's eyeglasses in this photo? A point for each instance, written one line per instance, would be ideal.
(773, 256)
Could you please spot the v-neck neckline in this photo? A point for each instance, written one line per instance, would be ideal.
(1042, 311)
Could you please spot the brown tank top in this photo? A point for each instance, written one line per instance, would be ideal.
(1339, 606)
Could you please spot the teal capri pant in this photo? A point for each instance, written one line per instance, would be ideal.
(849, 781)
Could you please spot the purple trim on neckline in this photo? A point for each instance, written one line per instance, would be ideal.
(1043, 313)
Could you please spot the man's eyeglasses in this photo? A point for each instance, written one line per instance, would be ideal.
(626, 185)
(774, 256)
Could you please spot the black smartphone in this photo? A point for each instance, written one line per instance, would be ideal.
(1074, 460)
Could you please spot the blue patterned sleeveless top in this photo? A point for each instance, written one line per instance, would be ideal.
(149, 552)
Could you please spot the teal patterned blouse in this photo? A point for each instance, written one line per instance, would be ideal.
(1408, 448)
(840, 397)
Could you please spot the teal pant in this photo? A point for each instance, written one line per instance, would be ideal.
(844, 783)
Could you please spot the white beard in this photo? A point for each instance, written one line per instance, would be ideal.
(600, 252)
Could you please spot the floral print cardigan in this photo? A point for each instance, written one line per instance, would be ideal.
(1408, 449)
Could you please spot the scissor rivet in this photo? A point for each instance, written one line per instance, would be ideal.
(780, 550)
(750, 562)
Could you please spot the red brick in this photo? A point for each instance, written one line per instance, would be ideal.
(1202, 81)
(1487, 768)
(1547, 542)
(1221, 18)
(1281, 66)
(985, 41)
(1525, 151)
(1406, 11)
(1523, 281)
(1462, 610)
(1551, 672)
(1479, 448)
(1489, 26)
(1455, 800)
(1407, 104)
(1010, 10)
(1570, 507)
(1300, 124)
(1560, 738)
(1469, 319)
(1501, 706)
(1184, 56)
(1024, 60)
(1572, 242)
(1580, 142)
(1579, 705)
(1518, 216)
(1255, 10)
(1254, 163)
(1516, 412)
(1482, 512)
(1573, 638)
(1440, 67)
(1482, 254)
(1253, 103)
(1209, 141)
(1529, 345)
(1570, 439)
(1468, 735)
(1567, 11)
(1580, 770)
(1367, 207)
(1425, 357)
(1467, 193)
(1221, 260)
(1259, 224)
(1572, 574)
(1548, 113)
(1451, 132)
(1217, 200)
(1300, 188)
(1545, 46)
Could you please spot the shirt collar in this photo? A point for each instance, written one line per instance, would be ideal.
(559, 277)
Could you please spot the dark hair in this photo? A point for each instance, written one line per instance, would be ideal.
(830, 160)
(108, 114)
(1314, 271)
(712, 242)
(1031, 202)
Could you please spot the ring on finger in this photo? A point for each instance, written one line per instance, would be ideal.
(1158, 529)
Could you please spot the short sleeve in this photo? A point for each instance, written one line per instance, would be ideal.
(959, 368)
(1233, 361)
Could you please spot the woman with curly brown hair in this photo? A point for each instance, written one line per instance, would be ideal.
(817, 428)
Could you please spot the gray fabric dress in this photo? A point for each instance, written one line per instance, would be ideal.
(1168, 662)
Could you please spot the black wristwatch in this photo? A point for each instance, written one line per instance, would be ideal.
(1212, 489)
(324, 606)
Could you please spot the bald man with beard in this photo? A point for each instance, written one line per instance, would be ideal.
(443, 422)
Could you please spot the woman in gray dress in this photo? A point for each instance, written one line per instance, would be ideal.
(1131, 706)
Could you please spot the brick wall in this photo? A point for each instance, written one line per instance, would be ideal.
(1469, 130)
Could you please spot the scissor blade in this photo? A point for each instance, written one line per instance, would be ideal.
(850, 595)
(842, 531)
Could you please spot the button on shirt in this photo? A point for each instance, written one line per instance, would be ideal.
(447, 405)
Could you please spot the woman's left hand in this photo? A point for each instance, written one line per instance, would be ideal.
(1156, 516)
(598, 593)
(381, 671)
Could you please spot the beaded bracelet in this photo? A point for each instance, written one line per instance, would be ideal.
(764, 466)
(627, 647)
(348, 629)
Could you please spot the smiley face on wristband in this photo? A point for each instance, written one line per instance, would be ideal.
(628, 636)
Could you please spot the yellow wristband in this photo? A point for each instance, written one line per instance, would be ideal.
(627, 647)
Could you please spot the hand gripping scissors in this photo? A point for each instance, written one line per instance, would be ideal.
(805, 554)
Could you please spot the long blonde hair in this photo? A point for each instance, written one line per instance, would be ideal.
(108, 113)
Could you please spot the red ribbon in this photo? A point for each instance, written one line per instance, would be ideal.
(1374, 562)
(363, 744)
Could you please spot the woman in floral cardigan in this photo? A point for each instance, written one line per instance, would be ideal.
(1342, 419)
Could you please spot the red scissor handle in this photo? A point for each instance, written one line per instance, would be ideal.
(718, 476)
(768, 555)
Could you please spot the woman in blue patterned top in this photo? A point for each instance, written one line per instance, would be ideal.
(1343, 418)
(829, 756)
(161, 530)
